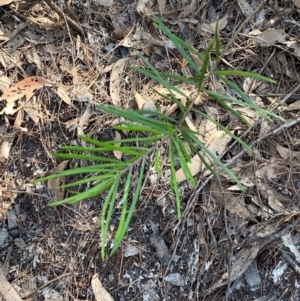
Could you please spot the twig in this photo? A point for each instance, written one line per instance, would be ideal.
(70, 21)
(293, 263)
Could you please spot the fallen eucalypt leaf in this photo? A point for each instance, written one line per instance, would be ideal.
(146, 133)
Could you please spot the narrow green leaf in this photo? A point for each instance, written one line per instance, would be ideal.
(140, 139)
(87, 180)
(84, 195)
(106, 213)
(219, 98)
(132, 206)
(217, 41)
(205, 65)
(198, 153)
(82, 170)
(173, 181)
(186, 170)
(178, 78)
(119, 234)
(239, 140)
(244, 74)
(248, 100)
(138, 128)
(96, 158)
(156, 161)
(83, 149)
(217, 161)
(135, 116)
(167, 85)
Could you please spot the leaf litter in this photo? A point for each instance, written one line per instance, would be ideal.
(60, 79)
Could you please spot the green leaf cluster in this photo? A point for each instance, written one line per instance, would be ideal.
(148, 132)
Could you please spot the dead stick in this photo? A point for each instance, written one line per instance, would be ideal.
(71, 22)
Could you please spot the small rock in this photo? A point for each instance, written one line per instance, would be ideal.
(19, 242)
(175, 279)
(150, 289)
(51, 295)
(3, 236)
(12, 219)
(14, 233)
(130, 251)
(190, 222)
(252, 276)
(162, 250)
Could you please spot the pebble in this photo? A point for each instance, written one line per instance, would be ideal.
(3, 236)
(175, 279)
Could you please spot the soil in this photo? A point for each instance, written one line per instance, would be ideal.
(229, 244)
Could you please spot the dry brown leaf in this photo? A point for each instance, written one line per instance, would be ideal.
(217, 144)
(262, 230)
(187, 10)
(83, 121)
(99, 291)
(269, 37)
(31, 109)
(142, 39)
(54, 184)
(222, 23)
(82, 226)
(33, 57)
(62, 93)
(274, 203)
(288, 242)
(297, 3)
(104, 2)
(6, 289)
(244, 259)
(143, 7)
(6, 2)
(118, 154)
(236, 207)
(9, 35)
(294, 46)
(144, 104)
(161, 5)
(25, 88)
(140, 101)
(4, 82)
(115, 81)
(284, 152)
(245, 8)
(295, 106)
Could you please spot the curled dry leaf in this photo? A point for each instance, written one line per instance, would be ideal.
(54, 184)
(62, 93)
(118, 154)
(144, 104)
(25, 88)
(99, 291)
(115, 81)
(83, 121)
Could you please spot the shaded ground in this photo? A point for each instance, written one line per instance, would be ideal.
(52, 254)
